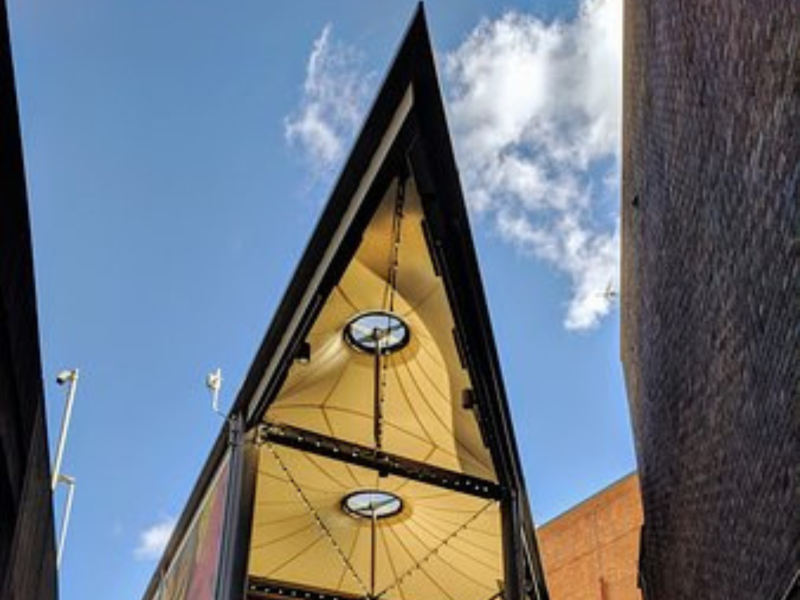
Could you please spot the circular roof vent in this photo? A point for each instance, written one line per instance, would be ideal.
(369, 504)
(377, 330)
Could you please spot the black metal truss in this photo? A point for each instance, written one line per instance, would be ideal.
(259, 588)
(378, 460)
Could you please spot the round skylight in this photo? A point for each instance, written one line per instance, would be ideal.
(369, 504)
(377, 330)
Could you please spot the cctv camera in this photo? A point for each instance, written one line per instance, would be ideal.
(65, 376)
(214, 380)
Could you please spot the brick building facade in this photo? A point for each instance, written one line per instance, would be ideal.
(27, 540)
(710, 334)
(591, 552)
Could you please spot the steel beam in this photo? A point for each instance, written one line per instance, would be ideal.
(259, 588)
(378, 460)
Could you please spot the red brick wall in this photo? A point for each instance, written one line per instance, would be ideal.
(591, 552)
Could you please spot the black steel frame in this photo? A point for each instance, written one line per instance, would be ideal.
(378, 460)
(259, 588)
(243, 470)
(423, 146)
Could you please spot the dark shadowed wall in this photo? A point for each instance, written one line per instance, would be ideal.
(710, 333)
(27, 546)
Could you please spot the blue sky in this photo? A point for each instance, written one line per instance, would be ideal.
(178, 154)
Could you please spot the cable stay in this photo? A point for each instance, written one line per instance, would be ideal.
(320, 523)
(417, 566)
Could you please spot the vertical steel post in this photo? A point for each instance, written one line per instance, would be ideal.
(512, 547)
(377, 408)
(238, 518)
(377, 416)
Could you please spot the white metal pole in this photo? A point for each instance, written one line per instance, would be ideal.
(62, 438)
(70, 483)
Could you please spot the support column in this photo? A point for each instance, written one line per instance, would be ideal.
(232, 580)
(513, 554)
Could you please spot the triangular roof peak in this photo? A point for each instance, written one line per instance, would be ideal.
(409, 83)
(378, 386)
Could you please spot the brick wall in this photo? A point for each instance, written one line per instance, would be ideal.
(591, 552)
(710, 294)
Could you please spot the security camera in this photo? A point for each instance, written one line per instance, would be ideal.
(214, 383)
(214, 380)
(65, 376)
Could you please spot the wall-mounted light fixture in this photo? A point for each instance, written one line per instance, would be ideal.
(303, 354)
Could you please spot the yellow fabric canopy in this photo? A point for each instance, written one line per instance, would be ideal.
(422, 384)
(443, 545)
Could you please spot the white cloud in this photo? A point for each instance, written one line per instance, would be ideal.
(333, 102)
(535, 109)
(154, 539)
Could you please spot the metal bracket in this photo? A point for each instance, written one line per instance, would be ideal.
(62, 536)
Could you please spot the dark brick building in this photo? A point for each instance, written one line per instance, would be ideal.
(710, 333)
(27, 546)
